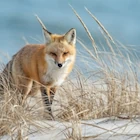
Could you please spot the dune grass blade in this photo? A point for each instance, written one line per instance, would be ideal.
(99, 23)
(41, 23)
(86, 29)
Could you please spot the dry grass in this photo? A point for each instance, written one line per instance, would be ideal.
(16, 120)
(107, 86)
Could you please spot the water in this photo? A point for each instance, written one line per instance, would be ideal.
(121, 19)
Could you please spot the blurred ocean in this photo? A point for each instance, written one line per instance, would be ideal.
(17, 20)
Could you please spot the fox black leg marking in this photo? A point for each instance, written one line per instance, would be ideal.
(46, 100)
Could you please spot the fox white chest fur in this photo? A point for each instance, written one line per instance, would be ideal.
(54, 76)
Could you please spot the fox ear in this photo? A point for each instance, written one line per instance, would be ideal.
(47, 36)
(70, 36)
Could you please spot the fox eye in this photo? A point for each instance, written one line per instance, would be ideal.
(51, 53)
(65, 53)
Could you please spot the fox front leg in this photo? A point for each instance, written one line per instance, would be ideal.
(48, 95)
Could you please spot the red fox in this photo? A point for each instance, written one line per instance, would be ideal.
(47, 64)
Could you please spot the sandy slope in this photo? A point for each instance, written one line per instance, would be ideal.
(100, 129)
(103, 128)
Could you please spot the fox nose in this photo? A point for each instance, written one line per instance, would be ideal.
(59, 65)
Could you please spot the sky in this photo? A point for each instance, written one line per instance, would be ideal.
(120, 18)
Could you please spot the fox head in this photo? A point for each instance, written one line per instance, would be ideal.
(60, 49)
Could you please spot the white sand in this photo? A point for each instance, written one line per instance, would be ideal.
(100, 129)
